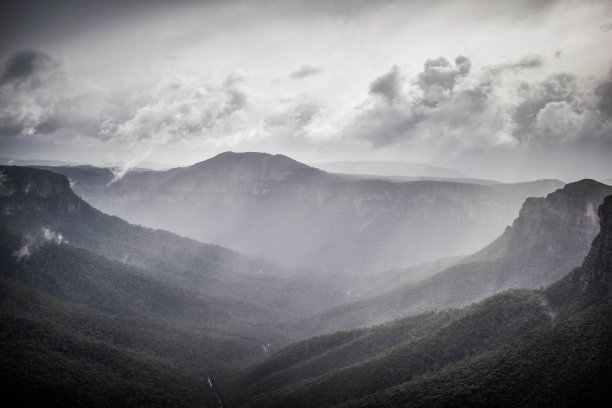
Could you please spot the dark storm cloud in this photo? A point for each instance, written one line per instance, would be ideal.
(28, 20)
(389, 85)
(31, 87)
(38, 98)
(23, 64)
(304, 71)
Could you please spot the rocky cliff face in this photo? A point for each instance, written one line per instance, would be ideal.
(596, 271)
(551, 235)
(25, 189)
(572, 208)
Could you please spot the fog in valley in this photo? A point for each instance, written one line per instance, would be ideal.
(293, 203)
(274, 207)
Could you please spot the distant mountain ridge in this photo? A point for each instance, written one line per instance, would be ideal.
(275, 207)
(254, 166)
(34, 162)
(390, 168)
(145, 165)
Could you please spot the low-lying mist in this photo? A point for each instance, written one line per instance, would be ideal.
(274, 207)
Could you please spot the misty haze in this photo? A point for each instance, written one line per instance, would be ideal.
(295, 203)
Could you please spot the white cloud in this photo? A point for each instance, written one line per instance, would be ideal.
(448, 108)
(32, 243)
(51, 236)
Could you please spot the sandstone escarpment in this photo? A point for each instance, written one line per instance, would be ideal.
(596, 272)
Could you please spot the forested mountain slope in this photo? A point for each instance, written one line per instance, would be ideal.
(552, 234)
(37, 203)
(549, 347)
(82, 330)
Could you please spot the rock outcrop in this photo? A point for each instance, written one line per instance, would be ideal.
(595, 275)
(24, 189)
(551, 236)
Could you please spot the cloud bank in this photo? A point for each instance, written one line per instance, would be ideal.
(447, 106)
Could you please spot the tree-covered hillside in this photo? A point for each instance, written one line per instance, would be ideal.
(82, 330)
(37, 202)
(549, 347)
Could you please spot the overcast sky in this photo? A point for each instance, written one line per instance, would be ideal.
(510, 90)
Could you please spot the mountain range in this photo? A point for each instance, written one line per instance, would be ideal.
(145, 165)
(275, 207)
(390, 168)
(97, 312)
